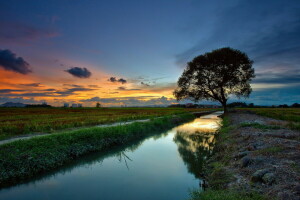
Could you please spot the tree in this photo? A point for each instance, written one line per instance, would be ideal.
(296, 105)
(216, 75)
(251, 105)
(237, 104)
(98, 105)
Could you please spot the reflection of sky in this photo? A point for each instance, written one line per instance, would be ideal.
(209, 123)
(199, 133)
(195, 141)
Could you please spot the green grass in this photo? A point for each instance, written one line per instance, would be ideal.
(225, 127)
(269, 150)
(295, 166)
(225, 195)
(258, 125)
(217, 175)
(18, 121)
(23, 159)
(225, 142)
(292, 115)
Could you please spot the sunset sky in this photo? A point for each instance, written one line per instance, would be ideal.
(133, 52)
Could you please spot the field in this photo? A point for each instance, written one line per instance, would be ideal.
(292, 115)
(18, 121)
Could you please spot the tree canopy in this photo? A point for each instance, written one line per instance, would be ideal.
(215, 76)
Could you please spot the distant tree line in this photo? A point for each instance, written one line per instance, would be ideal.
(38, 106)
(295, 105)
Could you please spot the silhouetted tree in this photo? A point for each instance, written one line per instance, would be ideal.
(251, 105)
(296, 105)
(98, 105)
(216, 75)
(237, 104)
(283, 106)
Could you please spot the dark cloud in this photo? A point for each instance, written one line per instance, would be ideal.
(92, 99)
(43, 93)
(9, 61)
(114, 79)
(73, 85)
(36, 94)
(278, 76)
(7, 91)
(79, 72)
(31, 84)
(49, 90)
(19, 100)
(145, 84)
(270, 36)
(94, 86)
(121, 80)
(10, 94)
(71, 91)
(124, 88)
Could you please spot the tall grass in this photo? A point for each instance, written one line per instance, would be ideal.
(292, 115)
(16, 121)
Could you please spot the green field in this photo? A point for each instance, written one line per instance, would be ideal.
(18, 121)
(292, 115)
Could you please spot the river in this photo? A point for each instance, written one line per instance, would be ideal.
(163, 166)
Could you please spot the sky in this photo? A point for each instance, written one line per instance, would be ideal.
(133, 52)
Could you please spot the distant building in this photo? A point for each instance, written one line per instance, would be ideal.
(66, 105)
(11, 104)
(74, 105)
(79, 105)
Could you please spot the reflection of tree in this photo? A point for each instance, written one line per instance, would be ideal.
(122, 156)
(194, 149)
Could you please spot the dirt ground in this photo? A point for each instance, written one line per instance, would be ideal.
(266, 156)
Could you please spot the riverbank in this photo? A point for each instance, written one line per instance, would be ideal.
(255, 157)
(16, 122)
(21, 160)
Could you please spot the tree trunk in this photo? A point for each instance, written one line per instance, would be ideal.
(225, 108)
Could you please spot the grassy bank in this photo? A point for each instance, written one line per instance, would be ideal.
(292, 115)
(18, 121)
(216, 173)
(21, 160)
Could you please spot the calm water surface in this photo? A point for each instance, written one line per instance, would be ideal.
(164, 166)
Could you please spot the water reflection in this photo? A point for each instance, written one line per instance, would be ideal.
(195, 141)
(123, 157)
